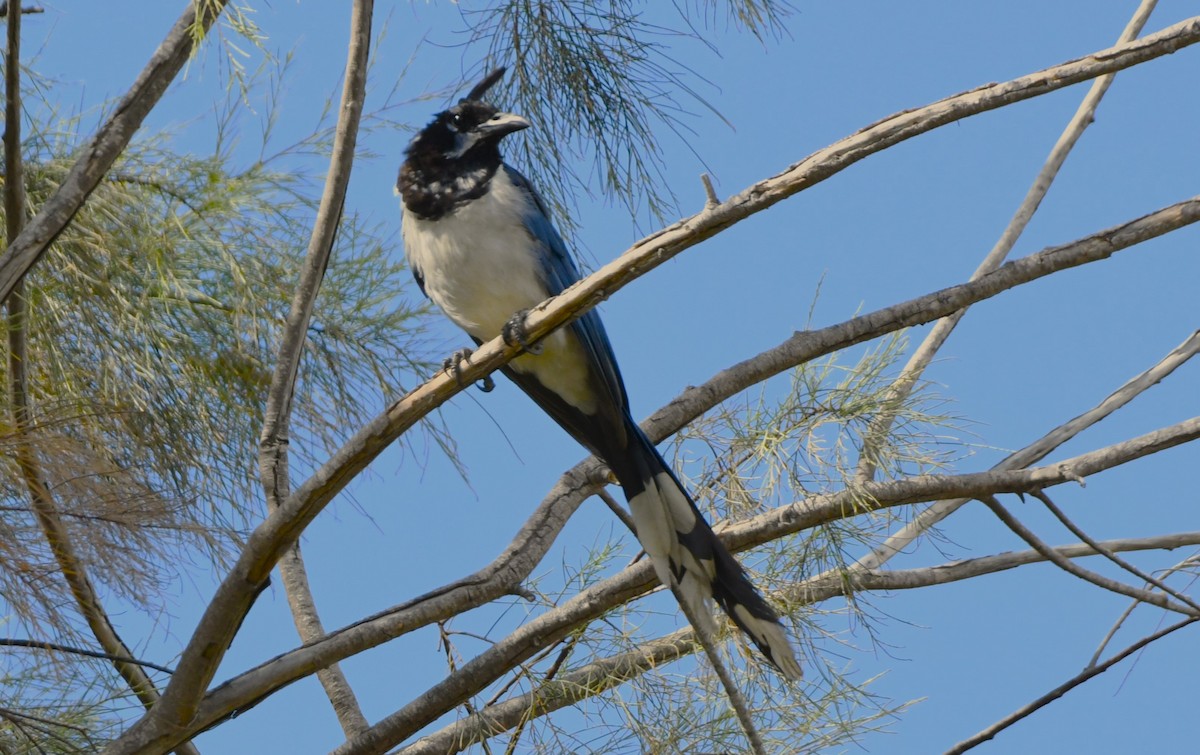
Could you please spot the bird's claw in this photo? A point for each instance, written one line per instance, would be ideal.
(452, 365)
(514, 333)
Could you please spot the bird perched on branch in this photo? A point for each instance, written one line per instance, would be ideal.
(481, 245)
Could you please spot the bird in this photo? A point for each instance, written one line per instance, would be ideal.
(479, 241)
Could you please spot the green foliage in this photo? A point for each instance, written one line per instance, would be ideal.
(600, 81)
(151, 333)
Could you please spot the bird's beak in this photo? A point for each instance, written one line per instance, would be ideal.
(501, 124)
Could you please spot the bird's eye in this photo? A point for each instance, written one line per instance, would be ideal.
(457, 119)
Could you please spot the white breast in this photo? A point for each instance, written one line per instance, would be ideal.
(475, 262)
(477, 268)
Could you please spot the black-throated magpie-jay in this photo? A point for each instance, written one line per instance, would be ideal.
(480, 243)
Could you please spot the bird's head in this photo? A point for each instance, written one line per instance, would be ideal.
(471, 128)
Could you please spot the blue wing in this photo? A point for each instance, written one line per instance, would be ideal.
(604, 432)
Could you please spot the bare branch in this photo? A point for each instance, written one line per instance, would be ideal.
(617, 509)
(110, 140)
(26, 9)
(1023, 532)
(273, 444)
(274, 440)
(1112, 632)
(710, 194)
(14, 184)
(923, 356)
(61, 648)
(1078, 532)
(704, 632)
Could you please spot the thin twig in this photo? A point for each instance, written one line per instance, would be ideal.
(45, 726)
(14, 183)
(1062, 689)
(1084, 116)
(555, 667)
(617, 509)
(25, 9)
(1078, 532)
(59, 647)
(1112, 632)
(273, 444)
(452, 664)
(711, 200)
(1023, 532)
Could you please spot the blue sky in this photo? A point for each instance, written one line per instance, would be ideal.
(895, 226)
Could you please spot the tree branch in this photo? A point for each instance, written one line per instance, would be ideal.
(1026, 534)
(273, 443)
(705, 634)
(14, 184)
(1112, 632)
(23, 9)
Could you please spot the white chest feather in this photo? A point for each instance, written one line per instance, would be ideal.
(477, 267)
(476, 262)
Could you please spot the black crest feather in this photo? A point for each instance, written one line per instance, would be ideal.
(488, 82)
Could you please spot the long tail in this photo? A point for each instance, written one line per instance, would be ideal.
(688, 556)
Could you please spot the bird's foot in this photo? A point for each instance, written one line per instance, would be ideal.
(514, 333)
(452, 365)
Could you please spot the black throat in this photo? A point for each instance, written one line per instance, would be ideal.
(433, 185)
